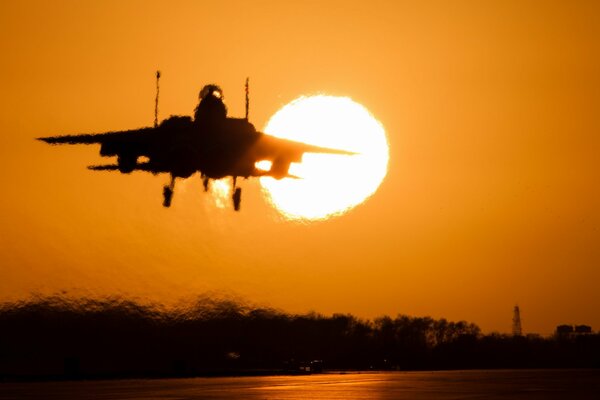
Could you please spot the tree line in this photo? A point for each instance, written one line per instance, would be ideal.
(56, 338)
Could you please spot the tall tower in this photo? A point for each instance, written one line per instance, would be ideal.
(516, 325)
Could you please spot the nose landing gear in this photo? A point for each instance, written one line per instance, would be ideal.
(168, 193)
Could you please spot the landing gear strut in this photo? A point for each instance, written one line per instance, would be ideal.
(237, 198)
(168, 192)
(237, 195)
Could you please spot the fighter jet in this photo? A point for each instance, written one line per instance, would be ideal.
(211, 143)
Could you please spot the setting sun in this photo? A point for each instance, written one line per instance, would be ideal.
(328, 184)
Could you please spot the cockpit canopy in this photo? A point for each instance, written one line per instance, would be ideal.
(211, 107)
(211, 90)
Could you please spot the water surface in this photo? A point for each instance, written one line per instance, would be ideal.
(497, 384)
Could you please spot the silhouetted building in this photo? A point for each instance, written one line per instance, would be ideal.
(583, 329)
(563, 330)
(570, 330)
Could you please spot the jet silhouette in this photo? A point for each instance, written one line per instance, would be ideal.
(211, 143)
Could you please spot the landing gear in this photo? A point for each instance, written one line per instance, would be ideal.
(205, 181)
(168, 192)
(237, 195)
(237, 198)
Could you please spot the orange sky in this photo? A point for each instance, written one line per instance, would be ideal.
(491, 198)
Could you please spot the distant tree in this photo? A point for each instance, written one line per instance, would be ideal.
(86, 338)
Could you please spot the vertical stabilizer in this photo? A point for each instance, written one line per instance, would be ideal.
(156, 100)
(247, 97)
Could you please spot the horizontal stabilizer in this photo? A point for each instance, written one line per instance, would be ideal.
(104, 167)
(114, 167)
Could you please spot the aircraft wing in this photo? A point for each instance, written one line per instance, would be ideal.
(273, 147)
(131, 135)
(283, 152)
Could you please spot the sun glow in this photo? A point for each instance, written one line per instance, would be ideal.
(264, 165)
(329, 184)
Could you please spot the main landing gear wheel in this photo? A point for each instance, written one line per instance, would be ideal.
(237, 199)
(168, 193)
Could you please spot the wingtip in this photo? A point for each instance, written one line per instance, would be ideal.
(108, 167)
(49, 140)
